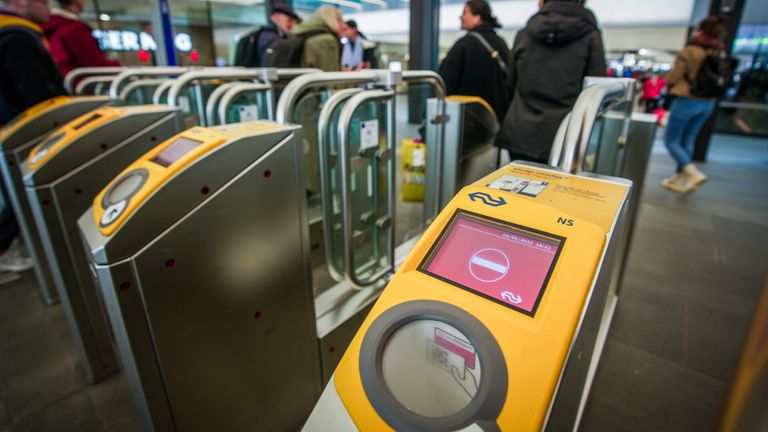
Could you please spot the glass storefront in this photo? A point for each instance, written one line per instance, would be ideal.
(744, 110)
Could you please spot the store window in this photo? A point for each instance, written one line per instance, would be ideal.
(124, 30)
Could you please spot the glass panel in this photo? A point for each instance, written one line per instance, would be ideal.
(230, 21)
(142, 94)
(411, 129)
(248, 106)
(431, 368)
(744, 110)
(368, 177)
(124, 31)
(192, 32)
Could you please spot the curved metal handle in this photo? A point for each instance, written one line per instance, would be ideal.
(323, 129)
(300, 84)
(157, 96)
(233, 91)
(582, 118)
(86, 71)
(115, 91)
(137, 84)
(213, 101)
(559, 142)
(96, 79)
(345, 120)
(208, 73)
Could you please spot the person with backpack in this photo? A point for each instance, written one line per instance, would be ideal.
(72, 44)
(252, 48)
(476, 64)
(558, 47)
(28, 76)
(697, 78)
(319, 38)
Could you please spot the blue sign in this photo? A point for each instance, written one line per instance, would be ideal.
(487, 199)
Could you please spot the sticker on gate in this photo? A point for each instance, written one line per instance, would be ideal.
(519, 185)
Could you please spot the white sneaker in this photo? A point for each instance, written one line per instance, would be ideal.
(674, 183)
(693, 178)
(15, 258)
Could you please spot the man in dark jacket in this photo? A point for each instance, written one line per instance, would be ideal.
(470, 68)
(71, 41)
(550, 58)
(28, 76)
(252, 48)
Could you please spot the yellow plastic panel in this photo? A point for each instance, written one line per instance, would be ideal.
(534, 347)
(31, 113)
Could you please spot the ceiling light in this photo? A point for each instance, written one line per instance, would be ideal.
(346, 3)
(380, 3)
(104, 17)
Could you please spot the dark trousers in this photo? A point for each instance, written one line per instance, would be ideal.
(9, 228)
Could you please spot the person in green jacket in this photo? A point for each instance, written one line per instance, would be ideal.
(322, 50)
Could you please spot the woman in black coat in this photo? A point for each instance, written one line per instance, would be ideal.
(471, 68)
(559, 46)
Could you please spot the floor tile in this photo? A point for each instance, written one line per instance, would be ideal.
(71, 414)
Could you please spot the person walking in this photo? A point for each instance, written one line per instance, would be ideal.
(71, 41)
(476, 65)
(550, 57)
(252, 48)
(689, 112)
(28, 76)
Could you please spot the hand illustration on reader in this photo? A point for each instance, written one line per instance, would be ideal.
(468, 382)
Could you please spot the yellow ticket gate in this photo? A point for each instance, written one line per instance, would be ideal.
(17, 138)
(492, 321)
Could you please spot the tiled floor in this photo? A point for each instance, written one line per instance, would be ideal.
(695, 271)
(694, 274)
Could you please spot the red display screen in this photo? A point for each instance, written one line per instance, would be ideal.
(175, 151)
(506, 263)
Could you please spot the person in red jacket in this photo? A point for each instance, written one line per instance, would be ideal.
(71, 42)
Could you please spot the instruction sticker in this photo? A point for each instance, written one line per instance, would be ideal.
(249, 113)
(518, 185)
(369, 134)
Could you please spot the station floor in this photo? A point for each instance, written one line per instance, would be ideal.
(694, 274)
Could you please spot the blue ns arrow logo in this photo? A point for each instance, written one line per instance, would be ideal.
(487, 199)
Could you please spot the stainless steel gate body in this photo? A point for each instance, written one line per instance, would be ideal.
(16, 142)
(207, 288)
(62, 188)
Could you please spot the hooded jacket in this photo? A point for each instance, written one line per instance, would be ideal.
(559, 46)
(28, 74)
(321, 51)
(469, 69)
(72, 43)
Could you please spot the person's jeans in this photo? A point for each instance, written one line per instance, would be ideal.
(686, 117)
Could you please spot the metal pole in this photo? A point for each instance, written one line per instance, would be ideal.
(163, 31)
(423, 48)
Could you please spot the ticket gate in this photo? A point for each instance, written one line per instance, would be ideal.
(489, 323)
(62, 176)
(16, 140)
(199, 248)
(383, 383)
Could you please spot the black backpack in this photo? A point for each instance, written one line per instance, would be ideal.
(714, 76)
(247, 49)
(286, 53)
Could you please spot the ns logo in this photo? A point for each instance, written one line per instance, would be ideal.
(564, 221)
